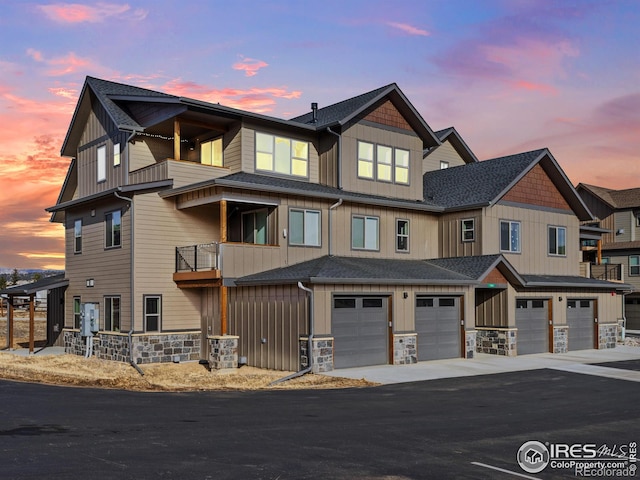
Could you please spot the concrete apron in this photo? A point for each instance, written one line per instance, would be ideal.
(486, 364)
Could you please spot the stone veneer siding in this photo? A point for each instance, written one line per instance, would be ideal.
(560, 339)
(321, 351)
(497, 341)
(223, 352)
(607, 335)
(470, 338)
(147, 348)
(405, 348)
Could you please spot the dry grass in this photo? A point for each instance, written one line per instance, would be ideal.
(175, 377)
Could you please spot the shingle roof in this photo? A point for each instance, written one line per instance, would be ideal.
(47, 283)
(571, 281)
(474, 267)
(629, 198)
(634, 245)
(477, 183)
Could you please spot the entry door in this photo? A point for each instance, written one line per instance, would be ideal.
(438, 327)
(360, 330)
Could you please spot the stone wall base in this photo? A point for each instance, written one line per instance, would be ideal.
(607, 335)
(321, 354)
(147, 348)
(497, 341)
(560, 339)
(470, 338)
(405, 348)
(223, 352)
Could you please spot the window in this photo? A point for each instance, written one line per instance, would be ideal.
(634, 265)
(102, 163)
(211, 152)
(424, 302)
(77, 312)
(371, 303)
(152, 313)
(77, 236)
(304, 227)
(254, 227)
(116, 154)
(446, 302)
(510, 236)
(112, 314)
(402, 235)
(281, 155)
(344, 303)
(113, 224)
(606, 260)
(443, 165)
(557, 241)
(364, 233)
(383, 163)
(637, 219)
(468, 230)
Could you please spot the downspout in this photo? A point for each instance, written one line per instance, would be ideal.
(339, 159)
(132, 285)
(331, 208)
(310, 340)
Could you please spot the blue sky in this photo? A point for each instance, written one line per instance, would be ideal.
(511, 76)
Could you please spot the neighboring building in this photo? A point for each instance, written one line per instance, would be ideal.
(617, 214)
(204, 232)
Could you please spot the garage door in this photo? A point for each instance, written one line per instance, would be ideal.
(580, 322)
(360, 330)
(438, 327)
(532, 321)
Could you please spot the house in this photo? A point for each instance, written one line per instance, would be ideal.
(351, 235)
(617, 216)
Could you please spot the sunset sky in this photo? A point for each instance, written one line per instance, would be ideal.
(510, 75)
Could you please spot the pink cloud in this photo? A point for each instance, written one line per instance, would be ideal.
(409, 29)
(535, 87)
(67, 64)
(249, 66)
(78, 13)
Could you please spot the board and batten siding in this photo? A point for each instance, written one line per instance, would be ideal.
(534, 224)
(442, 153)
(159, 230)
(381, 136)
(450, 234)
(108, 267)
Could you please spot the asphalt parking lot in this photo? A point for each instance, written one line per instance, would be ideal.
(462, 428)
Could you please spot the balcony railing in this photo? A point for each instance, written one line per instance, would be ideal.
(607, 271)
(197, 258)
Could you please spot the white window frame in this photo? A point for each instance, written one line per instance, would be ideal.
(307, 216)
(511, 224)
(368, 222)
(116, 314)
(402, 236)
(77, 236)
(378, 167)
(465, 229)
(146, 315)
(116, 154)
(557, 252)
(101, 163)
(634, 270)
(270, 154)
(110, 230)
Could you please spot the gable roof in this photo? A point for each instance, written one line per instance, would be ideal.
(46, 283)
(619, 199)
(452, 136)
(484, 183)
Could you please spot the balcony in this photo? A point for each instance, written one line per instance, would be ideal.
(612, 272)
(197, 266)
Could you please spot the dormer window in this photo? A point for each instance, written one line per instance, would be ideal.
(383, 163)
(282, 155)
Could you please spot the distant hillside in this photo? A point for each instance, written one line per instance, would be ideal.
(28, 273)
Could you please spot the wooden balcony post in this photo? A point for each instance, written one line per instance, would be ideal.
(599, 244)
(10, 324)
(32, 314)
(223, 221)
(176, 139)
(223, 310)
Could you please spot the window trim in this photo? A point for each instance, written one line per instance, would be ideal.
(77, 235)
(292, 157)
(107, 228)
(637, 257)
(110, 298)
(511, 222)
(145, 314)
(557, 235)
(364, 238)
(116, 155)
(101, 164)
(464, 230)
(304, 212)
(399, 235)
(375, 165)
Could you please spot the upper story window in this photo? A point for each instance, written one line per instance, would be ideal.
(443, 164)
(402, 235)
(282, 155)
(254, 227)
(634, 265)
(468, 230)
(211, 152)
(509, 236)
(101, 154)
(304, 227)
(77, 236)
(364, 232)
(116, 154)
(113, 226)
(383, 163)
(557, 241)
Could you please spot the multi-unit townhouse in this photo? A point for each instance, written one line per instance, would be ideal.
(350, 235)
(617, 254)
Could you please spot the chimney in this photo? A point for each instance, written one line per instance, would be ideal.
(314, 112)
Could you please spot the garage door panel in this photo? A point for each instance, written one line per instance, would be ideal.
(580, 320)
(437, 321)
(532, 321)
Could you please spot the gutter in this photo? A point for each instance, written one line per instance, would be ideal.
(309, 339)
